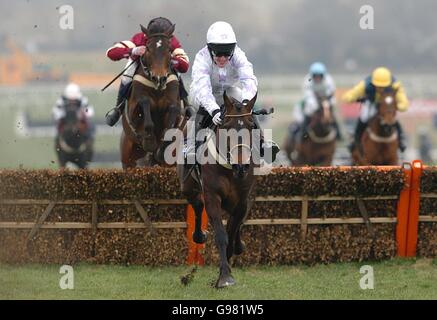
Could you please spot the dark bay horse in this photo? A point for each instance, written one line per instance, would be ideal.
(379, 142)
(74, 141)
(224, 187)
(317, 146)
(154, 103)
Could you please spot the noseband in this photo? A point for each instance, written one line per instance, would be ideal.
(159, 83)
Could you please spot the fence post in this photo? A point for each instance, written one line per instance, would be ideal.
(194, 249)
(413, 211)
(402, 211)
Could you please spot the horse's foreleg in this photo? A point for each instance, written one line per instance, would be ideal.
(174, 110)
(236, 246)
(149, 141)
(196, 202)
(215, 214)
(126, 148)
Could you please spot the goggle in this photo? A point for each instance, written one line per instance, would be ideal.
(222, 54)
(320, 75)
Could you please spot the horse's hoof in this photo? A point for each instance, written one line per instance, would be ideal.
(239, 248)
(199, 237)
(225, 281)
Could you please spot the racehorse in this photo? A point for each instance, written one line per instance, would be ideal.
(154, 102)
(74, 141)
(226, 185)
(317, 145)
(379, 142)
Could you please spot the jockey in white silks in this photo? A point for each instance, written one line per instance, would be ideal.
(72, 93)
(218, 67)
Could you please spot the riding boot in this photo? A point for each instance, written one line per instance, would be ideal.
(401, 137)
(192, 144)
(303, 132)
(269, 146)
(359, 129)
(113, 115)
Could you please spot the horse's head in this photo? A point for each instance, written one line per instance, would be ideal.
(238, 124)
(322, 120)
(325, 110)
(71, 118)
(387, 110)
(157, 58)
(74, 126)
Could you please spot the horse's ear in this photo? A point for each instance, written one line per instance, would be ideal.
(252, 101)
(171, 30)
(144, 30)
(226, 100)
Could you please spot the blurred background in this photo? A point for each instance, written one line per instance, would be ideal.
(280, 37)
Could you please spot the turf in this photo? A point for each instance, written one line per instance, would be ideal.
(393, 279)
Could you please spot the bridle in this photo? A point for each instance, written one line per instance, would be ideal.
(159, 82)
(229, 156)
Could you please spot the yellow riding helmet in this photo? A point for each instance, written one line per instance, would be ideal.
(381, 77)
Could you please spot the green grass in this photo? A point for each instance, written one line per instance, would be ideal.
(393, 279)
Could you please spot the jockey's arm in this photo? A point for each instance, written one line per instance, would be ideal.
(330, 89)
(309, 97)
(120, 50)
(87, 108)
(401, 97)
(180, 60)
(58, 111)
(201, 88)
(246, 76)
(356, 93)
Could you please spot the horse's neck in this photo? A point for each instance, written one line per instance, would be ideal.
(319, 127)
(375, 125)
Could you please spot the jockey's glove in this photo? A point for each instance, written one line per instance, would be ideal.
(217, 117)
(138, 51)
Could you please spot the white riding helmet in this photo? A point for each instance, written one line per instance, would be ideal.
(72, 92)
(221, 39)
(221, 32)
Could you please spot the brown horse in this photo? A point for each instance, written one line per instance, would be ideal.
(154, 102)
(74, 141)
(226, 185)
(317, 146)
(379, 142)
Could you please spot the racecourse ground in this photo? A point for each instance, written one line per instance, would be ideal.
(393, 279)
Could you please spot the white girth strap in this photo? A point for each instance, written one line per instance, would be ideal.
(376, 138)
(216, 155)
(331, 136)
(151, 84)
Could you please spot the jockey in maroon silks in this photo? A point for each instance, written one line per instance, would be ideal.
(131, 50)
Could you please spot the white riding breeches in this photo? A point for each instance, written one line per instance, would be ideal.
(129, 73)
(367, 111)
